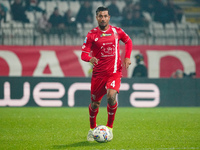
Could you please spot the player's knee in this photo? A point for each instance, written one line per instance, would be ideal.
(111, 98)
(95, 105)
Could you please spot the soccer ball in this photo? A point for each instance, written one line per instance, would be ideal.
(101, 133)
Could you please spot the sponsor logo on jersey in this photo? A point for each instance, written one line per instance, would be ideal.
(103, 34)
(107, 43)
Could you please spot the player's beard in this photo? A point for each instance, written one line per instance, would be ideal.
(102, 27)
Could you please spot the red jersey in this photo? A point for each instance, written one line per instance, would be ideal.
(104, 45)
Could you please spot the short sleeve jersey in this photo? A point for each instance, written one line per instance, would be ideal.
(104, 45)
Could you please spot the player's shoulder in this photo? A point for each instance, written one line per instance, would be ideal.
(93, 31)
(118, 29)
(115, 27)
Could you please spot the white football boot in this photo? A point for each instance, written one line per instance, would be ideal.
(111, 134)
(90, 136)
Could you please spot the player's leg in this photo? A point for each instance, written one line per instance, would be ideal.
(113, 85)
(97, 92)
(111, 106)
(111, 109)
(93, 111)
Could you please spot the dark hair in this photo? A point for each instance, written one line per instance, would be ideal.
(139, 57)
(101, 9)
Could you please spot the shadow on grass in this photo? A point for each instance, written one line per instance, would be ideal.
(78, 144)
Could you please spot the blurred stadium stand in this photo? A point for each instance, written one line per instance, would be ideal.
(185, 33)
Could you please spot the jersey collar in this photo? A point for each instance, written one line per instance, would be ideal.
(105, 30)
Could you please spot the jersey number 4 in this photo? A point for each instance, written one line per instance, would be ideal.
(113, 84)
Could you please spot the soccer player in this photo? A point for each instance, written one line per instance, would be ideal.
(101, 48)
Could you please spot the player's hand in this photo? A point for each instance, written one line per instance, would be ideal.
(94, 60)
(127, 62)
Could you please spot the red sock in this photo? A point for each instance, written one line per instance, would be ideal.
(111, 114)
(93, 115)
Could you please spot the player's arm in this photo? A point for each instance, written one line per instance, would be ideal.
(128, 48)
(86, 51)
(87, 58)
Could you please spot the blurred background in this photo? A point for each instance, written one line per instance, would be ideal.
(43, 38)
(66, 22)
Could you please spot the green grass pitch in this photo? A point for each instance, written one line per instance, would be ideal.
(38, 128)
